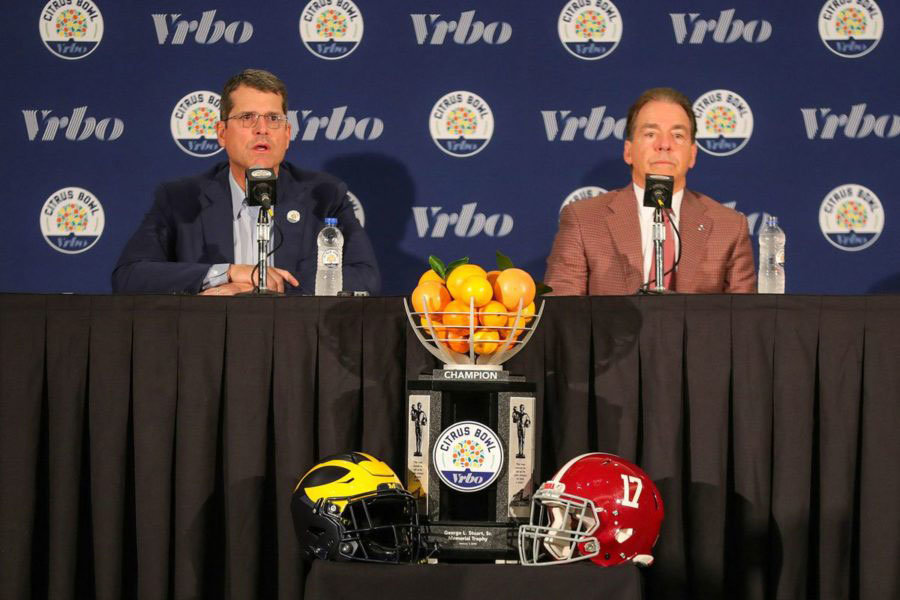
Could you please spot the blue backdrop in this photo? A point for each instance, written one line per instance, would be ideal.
(461, 127)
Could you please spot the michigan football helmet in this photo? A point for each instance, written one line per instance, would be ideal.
(352, 506)
(598, 507)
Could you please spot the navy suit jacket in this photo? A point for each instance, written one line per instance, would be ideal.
(190, 228)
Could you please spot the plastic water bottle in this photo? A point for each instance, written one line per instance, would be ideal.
(771, 258)
(329, 277)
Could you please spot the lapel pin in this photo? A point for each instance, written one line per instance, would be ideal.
(700, 227)
(293, 216)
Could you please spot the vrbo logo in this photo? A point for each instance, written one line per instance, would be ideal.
(466, 30)
(337, 126)
(467, 478)
(725, 30)
(206, 30)
(858, 124)
(432, 222)
(594, 127)
(77, 127)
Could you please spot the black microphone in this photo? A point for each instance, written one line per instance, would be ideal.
(658, 191)
(261, 187)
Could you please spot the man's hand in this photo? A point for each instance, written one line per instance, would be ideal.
(228, 289)
(275, 277)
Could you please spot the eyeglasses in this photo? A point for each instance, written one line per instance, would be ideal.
(249, 119)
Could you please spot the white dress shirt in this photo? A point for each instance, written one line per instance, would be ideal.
(645, 214)
(245, 238)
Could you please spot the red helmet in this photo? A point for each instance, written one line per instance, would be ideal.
(598, 506)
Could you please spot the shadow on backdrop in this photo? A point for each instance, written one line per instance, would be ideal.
(385, 189)
(888, 285)
(607, 174)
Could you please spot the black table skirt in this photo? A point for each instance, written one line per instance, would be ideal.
(342, 581)
(149, 444)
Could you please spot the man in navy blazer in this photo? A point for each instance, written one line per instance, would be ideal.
(199, 233)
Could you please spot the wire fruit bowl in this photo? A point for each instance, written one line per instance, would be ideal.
(434, 334)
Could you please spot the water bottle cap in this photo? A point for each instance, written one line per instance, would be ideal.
(772, 220)
(331, 221)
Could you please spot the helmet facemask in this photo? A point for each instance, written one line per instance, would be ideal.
(380, 527)
(560, 529)
(352, 506)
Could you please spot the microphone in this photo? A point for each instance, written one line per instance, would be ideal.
(261, 187)
(658, 191)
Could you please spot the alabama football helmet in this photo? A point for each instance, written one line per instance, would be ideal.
(598, 507)
(352, 506)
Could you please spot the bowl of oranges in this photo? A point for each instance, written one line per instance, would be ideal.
(465, 315)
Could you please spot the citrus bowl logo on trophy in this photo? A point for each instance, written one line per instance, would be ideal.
(851, 28)
(71, 30)
(468, 456)
(582, 193)
(590, 29)
(72, 220)
(358, 210)
(331, 29)
(193, 123)
(851, 217)
(461, 124)
(724, 122)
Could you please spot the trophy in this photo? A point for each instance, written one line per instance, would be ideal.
(470, 433)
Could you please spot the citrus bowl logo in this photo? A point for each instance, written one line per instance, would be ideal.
(724, 122)
(193, 123)
(468, 456)
(851, 217)
(582, 193)
(72, 220)
(461, 124)
(331, 30)
(591, 29)
(851, 28)
(71, 30)
(358, 210)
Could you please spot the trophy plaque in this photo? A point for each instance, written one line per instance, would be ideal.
(470, 445)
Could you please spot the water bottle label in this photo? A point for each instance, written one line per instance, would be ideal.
(779, 258)
(331, 257)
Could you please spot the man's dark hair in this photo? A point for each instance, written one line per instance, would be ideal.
(256, 79)
(662, 94)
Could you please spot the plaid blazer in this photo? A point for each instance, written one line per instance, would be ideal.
(597, 249)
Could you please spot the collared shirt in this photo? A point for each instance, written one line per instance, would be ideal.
(244, 219)
(645, 214)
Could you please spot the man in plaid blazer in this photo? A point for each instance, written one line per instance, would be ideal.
(604, 244)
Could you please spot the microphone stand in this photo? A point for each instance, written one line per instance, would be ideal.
(263, 227)
(659, 237)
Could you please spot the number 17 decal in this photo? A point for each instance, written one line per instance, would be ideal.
(627, 499)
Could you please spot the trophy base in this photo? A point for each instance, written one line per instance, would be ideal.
(477, 541)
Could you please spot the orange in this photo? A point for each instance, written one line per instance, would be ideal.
(513, 285)
(492, 277)
(476, 288)
(430, 275)
(492, 320)
(439, 330)
(434, 320)
(526, 316)
(432, 293)
(485, 341)
(457, 342)
(459, 321)
(517, 333)
(457, 276)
